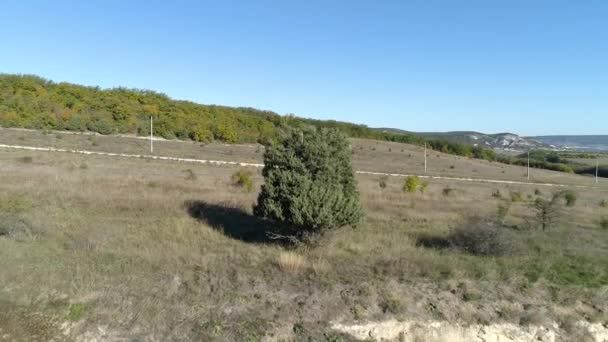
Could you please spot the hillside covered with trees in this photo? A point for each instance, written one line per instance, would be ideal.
(34, 102)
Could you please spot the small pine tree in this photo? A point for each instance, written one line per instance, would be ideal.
(547, 210)
(309, 184)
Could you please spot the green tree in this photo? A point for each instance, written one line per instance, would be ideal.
(201, 132)
(309, 184)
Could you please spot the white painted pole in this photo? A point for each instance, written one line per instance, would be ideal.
(424, 157)
(151, 135)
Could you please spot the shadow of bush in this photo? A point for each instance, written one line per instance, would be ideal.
(436, 242)
(233, 222)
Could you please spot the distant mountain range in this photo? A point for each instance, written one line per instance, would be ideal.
(514, 142)
(588, 143)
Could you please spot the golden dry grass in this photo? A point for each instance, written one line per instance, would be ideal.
(291, 262)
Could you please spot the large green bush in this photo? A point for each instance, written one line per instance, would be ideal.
(309, 184)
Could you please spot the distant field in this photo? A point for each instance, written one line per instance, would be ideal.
(368, 155)
(136, 249)
(603, 160)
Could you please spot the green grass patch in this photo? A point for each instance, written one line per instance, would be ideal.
(579, 271)
(14, 205)
(77, 311)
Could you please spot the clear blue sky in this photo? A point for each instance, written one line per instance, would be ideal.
(529, 66)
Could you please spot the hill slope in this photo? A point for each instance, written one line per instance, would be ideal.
(33, 102)
(498, 141)
(501, 141)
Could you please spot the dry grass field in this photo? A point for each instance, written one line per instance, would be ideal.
(368, 155)
(135, 249)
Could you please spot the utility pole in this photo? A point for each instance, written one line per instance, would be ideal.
(151, 135)
(528, 171)
(424, 157)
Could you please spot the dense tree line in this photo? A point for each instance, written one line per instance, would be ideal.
(33, 102)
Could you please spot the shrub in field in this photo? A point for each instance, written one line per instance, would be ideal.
(25, 160)
(382, 182)
(570, 197)
(190, 175)
(503, 210)
(481, 236)
(411, 184)
(537, 192)
(242, 178)
(604, 203)
(447, 191)
(546, 211)
(423, 186)
(604, 223)
(309, 184)
(496, 194)
(517, 196)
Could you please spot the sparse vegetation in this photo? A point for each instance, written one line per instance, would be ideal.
(604, 203)
(604, 223)
(76, 311)
(25, 159)
(382, 182)
(547, 210)
(503, 210)
(190, 175)
(517, 196)
(423, 186)
(242, 178)
(138, 244)
(447, 191)
(291, 262)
